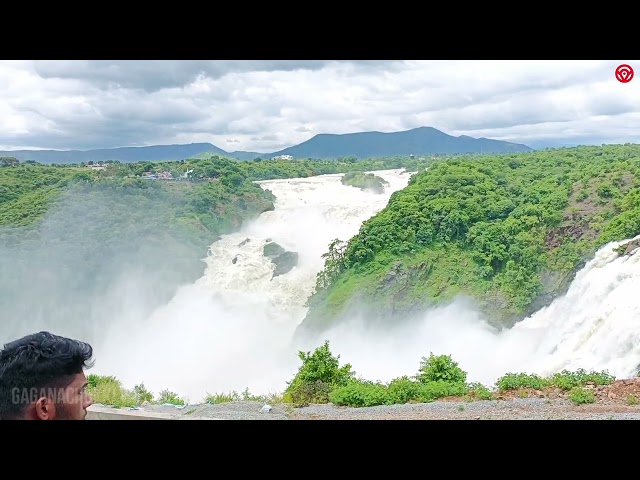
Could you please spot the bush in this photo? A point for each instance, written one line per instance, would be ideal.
(306, 393)
(579, 396)
(167, 396)
(403, 390)
(434, 390)
(514, 381)
(142, 394)
(440, 368)
(568, 380)
(108, 390)
(318, 375)
(360, 394)
(479, 391)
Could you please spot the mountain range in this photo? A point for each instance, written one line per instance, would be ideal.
(417, 141)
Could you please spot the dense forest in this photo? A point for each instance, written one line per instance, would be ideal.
(79, 236)
(509, 231)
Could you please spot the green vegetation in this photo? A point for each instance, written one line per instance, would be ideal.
(581, 396)
(108, 390)
(215, 194)
(508, 231)
(364, 181)
(244, 396)
(438, 377)
(94, 230)
(91, 232)
(321, 379)
(317, 377)
(565, 380)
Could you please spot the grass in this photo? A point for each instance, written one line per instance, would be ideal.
(234, 396)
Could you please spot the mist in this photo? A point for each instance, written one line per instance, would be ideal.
(199, 322)
(99, 257)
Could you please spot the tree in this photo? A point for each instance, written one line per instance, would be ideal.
(334, 264)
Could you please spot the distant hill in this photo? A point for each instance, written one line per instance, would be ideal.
(122, 154)
(418, 141)
(249, 155)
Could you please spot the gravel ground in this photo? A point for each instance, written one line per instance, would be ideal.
(512, 409)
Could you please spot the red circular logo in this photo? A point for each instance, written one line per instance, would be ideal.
(624, 73)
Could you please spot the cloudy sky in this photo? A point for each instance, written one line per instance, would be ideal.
(266, 105)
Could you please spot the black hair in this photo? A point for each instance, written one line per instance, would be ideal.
(36, 362)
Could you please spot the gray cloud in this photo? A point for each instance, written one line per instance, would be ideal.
(266, 105)
(152, 75)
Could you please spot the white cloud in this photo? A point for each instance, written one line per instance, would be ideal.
(268, 105)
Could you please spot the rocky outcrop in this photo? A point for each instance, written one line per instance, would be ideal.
(283, 260)
(272, 250)
(628, 248)
(364, 181)
(284, 263)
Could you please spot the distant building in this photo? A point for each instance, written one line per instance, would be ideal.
(283, 157)
(97, 166)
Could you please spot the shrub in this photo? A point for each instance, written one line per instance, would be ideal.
(515, 381)
(360, 394)
(403, 390)
(579, 396)
(568, 380)
(142, 394)
(440, 368)
(108, 390)
(479, 391)
(434, 390)
(318, 375)
(167, 396)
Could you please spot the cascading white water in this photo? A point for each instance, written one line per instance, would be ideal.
(232, 328)
(596, 325)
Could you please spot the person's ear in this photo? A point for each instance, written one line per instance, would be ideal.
(45, 409)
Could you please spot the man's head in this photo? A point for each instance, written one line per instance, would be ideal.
(42, 378)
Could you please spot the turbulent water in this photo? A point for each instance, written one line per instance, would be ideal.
(233, 328)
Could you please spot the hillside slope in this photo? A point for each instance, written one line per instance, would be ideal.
(507, 231)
